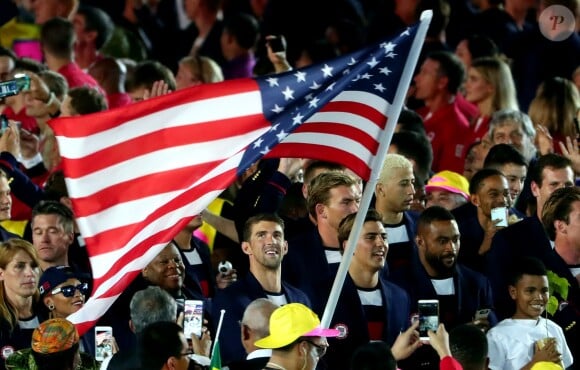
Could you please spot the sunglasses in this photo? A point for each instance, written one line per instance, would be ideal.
(320, 350)
(69, 290)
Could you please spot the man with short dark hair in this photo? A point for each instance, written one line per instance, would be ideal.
(468, 345)
(163, 346)
(436, 274)
(265, 246)
(447, 128)
(509, 161)
(52, 233)
(369, 307)
(57, 38)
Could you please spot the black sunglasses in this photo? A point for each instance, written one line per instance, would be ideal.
(320, 349)
(69, 290)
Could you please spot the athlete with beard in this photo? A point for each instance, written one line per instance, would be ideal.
(435, 274)
(265, 246)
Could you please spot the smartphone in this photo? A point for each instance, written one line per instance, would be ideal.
(13, 87)
(482, 314)
(192, 318)
(500, 213)
(3, 124)
(103, 342)
(428, 316)
(276, 44)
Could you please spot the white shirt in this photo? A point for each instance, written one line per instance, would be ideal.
(511, 342)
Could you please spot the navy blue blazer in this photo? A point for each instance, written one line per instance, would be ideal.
(472, 292)
(350, 315)
(524, 238)
(306, 267)
(234, 300)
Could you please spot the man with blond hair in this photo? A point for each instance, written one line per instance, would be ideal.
(394, 194)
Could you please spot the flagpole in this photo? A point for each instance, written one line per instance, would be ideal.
(219, 329)
(393, 116)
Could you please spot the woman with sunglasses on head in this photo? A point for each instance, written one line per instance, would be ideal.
(63, 293)
(18, 296)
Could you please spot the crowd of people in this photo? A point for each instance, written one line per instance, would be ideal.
(476, 206)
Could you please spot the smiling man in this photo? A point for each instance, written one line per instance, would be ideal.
(265, 246)
(435, 273)
(369, 307)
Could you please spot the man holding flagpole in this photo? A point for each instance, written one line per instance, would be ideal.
(129, 207)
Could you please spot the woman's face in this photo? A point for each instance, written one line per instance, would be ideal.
(20, 276)
(63, 305)
(477, 89)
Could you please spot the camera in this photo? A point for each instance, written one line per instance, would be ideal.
(14, 87)
(224, 267)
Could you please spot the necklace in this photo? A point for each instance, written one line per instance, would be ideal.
(274, 366)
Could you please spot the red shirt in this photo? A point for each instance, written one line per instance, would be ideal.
(28, 123)
(448, 131)
(118, 100)
(75, 77)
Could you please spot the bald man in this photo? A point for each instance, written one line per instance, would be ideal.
(255, 325)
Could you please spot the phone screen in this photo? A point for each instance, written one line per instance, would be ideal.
(500, 213)
(103, 342)
(276, 44)
(428, 317)
(193, 318)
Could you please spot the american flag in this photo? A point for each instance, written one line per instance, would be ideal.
(138, 174)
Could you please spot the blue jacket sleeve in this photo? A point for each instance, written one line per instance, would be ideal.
(22, 186)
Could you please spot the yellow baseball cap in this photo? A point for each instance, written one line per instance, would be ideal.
(449, 181)
(291, 322)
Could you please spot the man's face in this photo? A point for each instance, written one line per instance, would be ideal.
(552, 179)
(516, 175)
(34, 107)
(372, 247)
(267, 246)
(50, 239)
(5, 200)
(396, 193)
(571, 230)
(317, 347)
(343, 201)
(512, 133)
(442, 198)
(439, 244)
(166, 270)
(427, 80)
(493, 192)
(530, 295)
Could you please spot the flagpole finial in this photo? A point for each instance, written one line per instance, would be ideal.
(426, 14)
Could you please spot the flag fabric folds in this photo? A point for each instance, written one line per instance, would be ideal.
(216, 359)
(138, 174)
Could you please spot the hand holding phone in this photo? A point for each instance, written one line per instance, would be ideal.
(103, 342)
(428, 317)
(501, 214)
(193, 318)
(277, 44)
